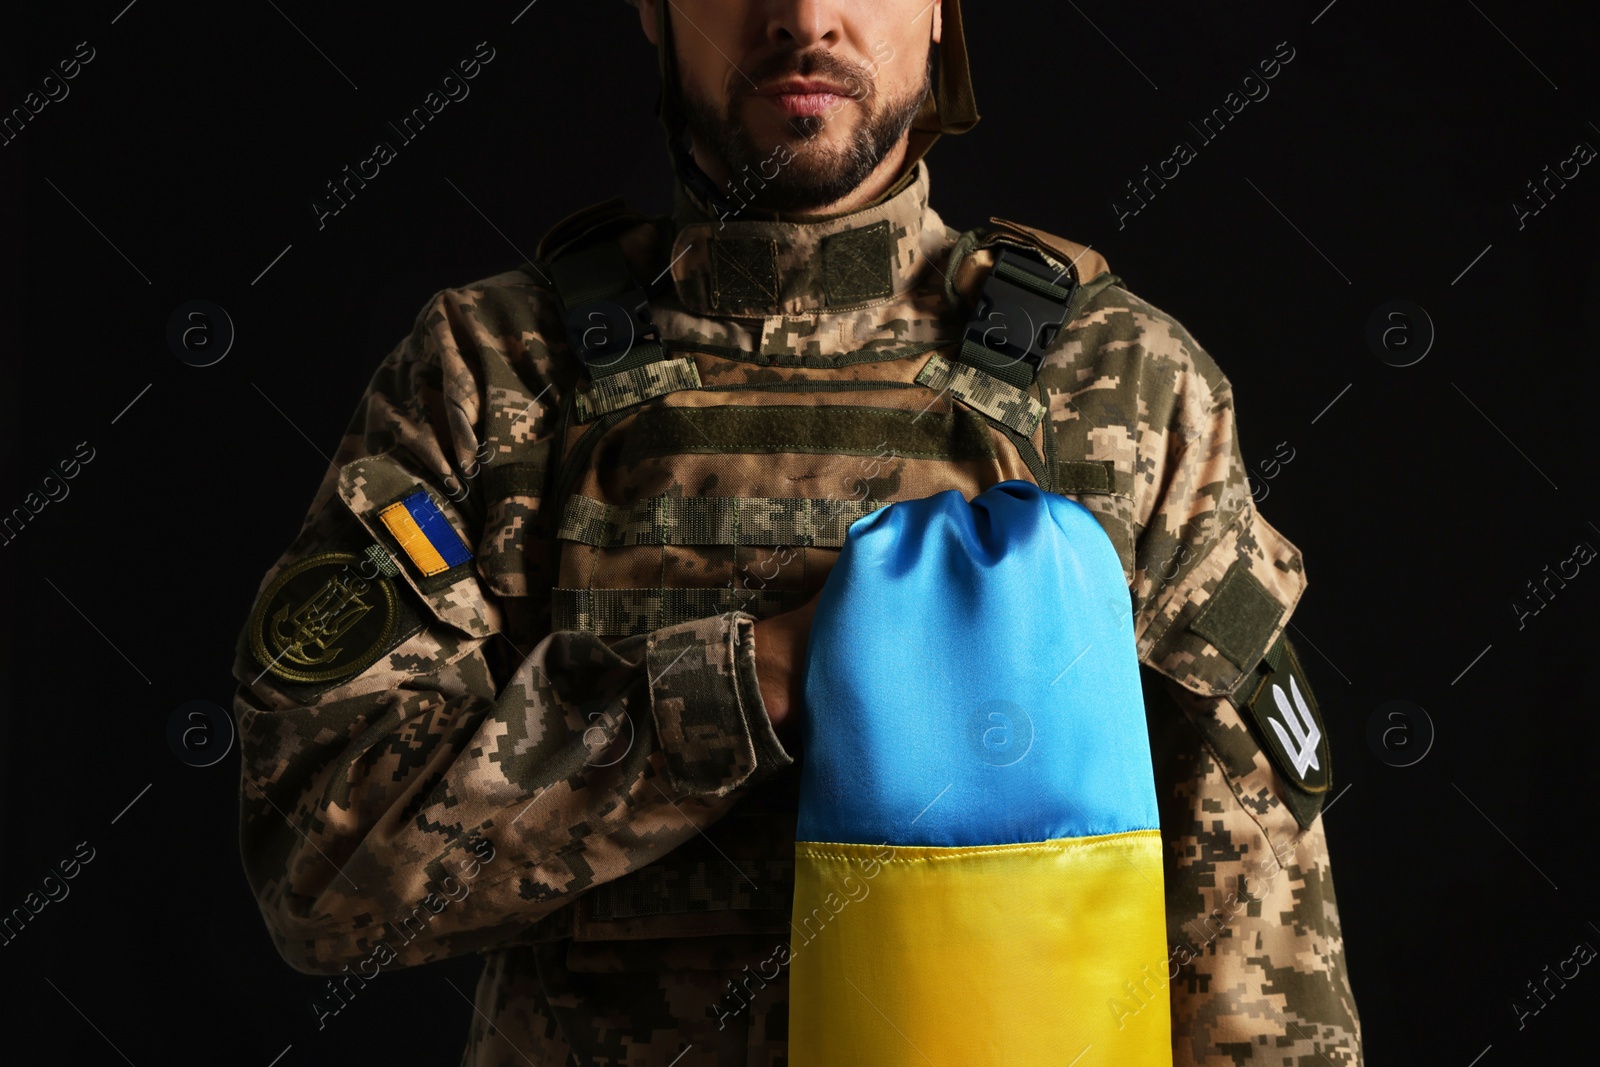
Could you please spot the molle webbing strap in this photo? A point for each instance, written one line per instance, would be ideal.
(1001, 401)
(1082, 476)
(839, 430)
(1012, 372)
(712, 520)
(624, 612)
(634, 386)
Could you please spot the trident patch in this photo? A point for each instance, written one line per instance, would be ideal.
(1282, 712)
(1302, 747)
(323, 618)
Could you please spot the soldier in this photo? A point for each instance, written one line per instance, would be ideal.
(526, 683)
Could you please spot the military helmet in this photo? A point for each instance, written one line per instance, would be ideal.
(948, 108)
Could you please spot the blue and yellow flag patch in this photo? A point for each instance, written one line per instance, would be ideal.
(424, 534)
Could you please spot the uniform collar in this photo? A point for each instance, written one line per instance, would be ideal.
(751, 263)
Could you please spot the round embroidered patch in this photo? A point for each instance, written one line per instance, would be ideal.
(322, 620)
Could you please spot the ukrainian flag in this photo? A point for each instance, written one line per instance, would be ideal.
(978, 856)
(422, 531)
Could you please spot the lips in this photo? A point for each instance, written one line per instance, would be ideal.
(803, 96)
(802, 86)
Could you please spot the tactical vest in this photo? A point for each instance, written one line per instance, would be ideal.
(665, 500)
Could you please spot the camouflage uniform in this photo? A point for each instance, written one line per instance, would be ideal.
(555, 753)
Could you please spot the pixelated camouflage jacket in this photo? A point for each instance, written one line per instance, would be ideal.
(498, 696)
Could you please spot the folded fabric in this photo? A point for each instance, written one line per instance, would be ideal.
(978, 857)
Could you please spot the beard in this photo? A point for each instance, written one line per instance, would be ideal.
(815, 174)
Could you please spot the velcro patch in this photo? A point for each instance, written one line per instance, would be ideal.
(855, 264)
(424, 534)
(1283, 714)
(745, 272)
(1239, 616)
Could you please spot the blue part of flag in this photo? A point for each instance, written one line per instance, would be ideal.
(972, 679)
(436, 528)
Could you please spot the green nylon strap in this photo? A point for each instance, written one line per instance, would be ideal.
(1016, 373)
(712, 520)
(832, 429)
(1033, 283)
(1087, 476)
(594, 272)
(625, 612)
(1275, 654)
(515, 479)
(966, 242)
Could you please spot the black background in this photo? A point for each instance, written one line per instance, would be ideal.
(1385, 160)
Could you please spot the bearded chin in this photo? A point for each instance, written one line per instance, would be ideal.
(815, 174)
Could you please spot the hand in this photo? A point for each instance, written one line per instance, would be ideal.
(780, 652)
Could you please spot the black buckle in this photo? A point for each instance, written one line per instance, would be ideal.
(1013, 320)
(604, 331)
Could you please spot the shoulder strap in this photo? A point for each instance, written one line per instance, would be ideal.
(1085, 263)
(590, 222)
(606, 311)
(1035, 288)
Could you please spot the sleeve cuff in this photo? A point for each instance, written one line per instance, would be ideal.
(706, 700)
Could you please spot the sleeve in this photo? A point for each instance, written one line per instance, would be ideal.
(1257, 969)
(413, 786)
